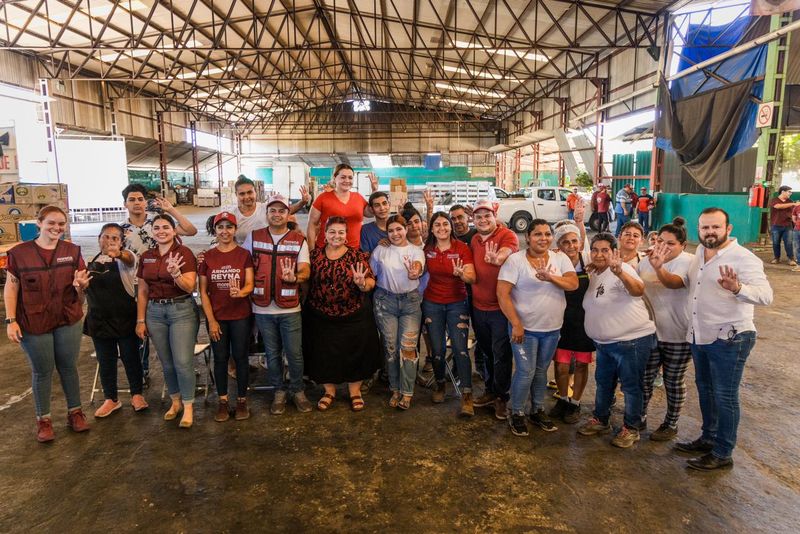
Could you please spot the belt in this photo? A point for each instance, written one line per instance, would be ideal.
(170, 301)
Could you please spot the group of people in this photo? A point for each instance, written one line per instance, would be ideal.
(345, 299)
(784, 227)
(625, 205)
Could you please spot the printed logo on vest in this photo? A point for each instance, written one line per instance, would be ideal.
(65, 259)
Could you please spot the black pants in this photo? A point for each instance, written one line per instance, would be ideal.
(234, 341)
(127, 348)
(491, 332)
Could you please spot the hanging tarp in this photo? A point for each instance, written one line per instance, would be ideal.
(698, 127)
(773, 7)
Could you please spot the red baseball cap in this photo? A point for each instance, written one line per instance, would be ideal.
(279, 199)
(225, 216)
(484, 204)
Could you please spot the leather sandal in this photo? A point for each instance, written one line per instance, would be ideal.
(325, 402)
(395, 399)
(356, 403)
(405, 403)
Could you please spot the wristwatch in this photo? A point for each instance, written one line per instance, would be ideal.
(10, 320)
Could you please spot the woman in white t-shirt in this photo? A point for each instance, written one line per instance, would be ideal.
(631, 238)
(397, 306)
(665, 274)
(619, 324)
(530, 291)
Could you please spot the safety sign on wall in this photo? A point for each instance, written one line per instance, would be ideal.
(764, 116)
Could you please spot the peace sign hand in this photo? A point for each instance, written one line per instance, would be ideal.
(81, 280)
(414, 268)
(235, 288)
(287, 270)
(359, 271)
(544, 272)
(580, 211)
(615, 262)
(658, 255)
(458, 267)
(491, 254)
(427, 195)
(729, 279)
(305, 195)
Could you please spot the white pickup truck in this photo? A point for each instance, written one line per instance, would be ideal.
(546, 202)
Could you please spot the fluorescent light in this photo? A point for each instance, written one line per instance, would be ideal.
(464, 103)
(502, 51)
(380, 161)
(470, 90)
(194, 74)
(138, 52)
(95, 10)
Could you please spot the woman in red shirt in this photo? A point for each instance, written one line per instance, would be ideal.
(226, 279)
(44, 307)
(445, 307)
(167, 313)
(341, 202)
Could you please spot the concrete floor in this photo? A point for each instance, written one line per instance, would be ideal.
(420, 471)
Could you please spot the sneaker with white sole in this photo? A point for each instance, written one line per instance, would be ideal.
(517, 424)
(278, 405)
(301, 402)
(626, 438)
(594, 426)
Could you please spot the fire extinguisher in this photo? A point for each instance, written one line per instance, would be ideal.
(756, 198)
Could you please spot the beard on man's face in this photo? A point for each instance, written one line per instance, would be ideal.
(714, 241)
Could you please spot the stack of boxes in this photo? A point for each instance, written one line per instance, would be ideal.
(398, 194)
(20, 204)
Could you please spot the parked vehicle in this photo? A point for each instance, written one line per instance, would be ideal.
(546, 202)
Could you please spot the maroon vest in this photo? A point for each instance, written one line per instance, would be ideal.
(47, 298)
(266, 255)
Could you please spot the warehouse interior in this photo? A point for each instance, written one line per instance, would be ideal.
(185, 96)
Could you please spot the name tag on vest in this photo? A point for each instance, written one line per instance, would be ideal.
(149, 260)
(262, 245)
(258, 291)
(288, 248)
(288, 292)
(64, 259)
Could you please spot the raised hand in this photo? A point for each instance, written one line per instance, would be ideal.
(288, 273)
(491, 254)
(580, 211)
(235, 289)
(414, 268)
(359, 271)
(373, 181)
(113, 250)
(304, 194)
(164, 204)
(728, 279)
(615, 262)
(427, 195)
(81, 280)
(658, 255)
(384, 242)
(458, 267)
(544, 271)
(174, 264)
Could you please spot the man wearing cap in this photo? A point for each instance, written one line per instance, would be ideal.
(623, 207)
(282, 263)
(251, 214)
(601, 204)
(780, 224)
(491, 246)
(572, 201)
(644, 205)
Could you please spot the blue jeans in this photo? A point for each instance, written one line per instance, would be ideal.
(571, 215)
(491, 332)
(624, 361)
(621, 220)
(398, 316)
(718, 371)
(644, 220)
(173, 330)
(796, 245)
(781, 233)
(453, 320)
(234, 341)
(283, 334)
(56, 350)
(108, 350)
(531, 359)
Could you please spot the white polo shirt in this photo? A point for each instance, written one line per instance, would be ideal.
(245, 225)
(717, 313)
(670, 306)
(612, 314)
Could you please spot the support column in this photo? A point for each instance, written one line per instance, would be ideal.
(599, 120)
(562, 174)
(517, 175)
(195, 165)
(162, 154)
(50, 130)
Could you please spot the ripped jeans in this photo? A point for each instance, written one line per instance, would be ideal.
(398, 316)
(453, 320)
(532, 357)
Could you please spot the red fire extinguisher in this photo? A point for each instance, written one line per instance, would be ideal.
(756, 198)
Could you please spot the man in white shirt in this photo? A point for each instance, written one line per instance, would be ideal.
(725, 282)
(251, 214)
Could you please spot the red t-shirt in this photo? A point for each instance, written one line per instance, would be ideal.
(443, 287)
(484, 291)
(153, 270)
(796, 216)
(220, 268)
(603, 202)
(780, 216)
(329, 205)
(645, 203)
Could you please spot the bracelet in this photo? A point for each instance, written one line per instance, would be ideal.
(140, 321)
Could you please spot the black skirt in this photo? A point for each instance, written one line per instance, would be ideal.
(340, 349)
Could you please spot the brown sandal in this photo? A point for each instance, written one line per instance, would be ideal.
(325, 402)
(356, 403)
(405, 403)
(396, 396)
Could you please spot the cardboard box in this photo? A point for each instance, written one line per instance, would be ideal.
(23, 194)
(8, 232)
(46, 194)
(7, 193)
(23, 211)
(63, 191)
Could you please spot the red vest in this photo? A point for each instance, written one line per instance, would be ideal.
(268, 283)
(47, 299)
